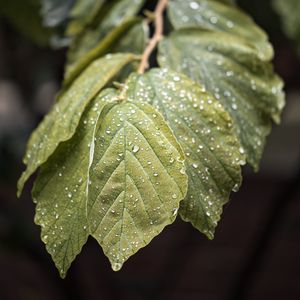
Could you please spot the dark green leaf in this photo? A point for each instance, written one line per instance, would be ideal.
(114, 20)
(111, 40)
(82, 13)
(135, 40)
(214, 15)
(204, 130)
(228, 1)
(233, 72)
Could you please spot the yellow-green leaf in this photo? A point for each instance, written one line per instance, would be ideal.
(137, 179)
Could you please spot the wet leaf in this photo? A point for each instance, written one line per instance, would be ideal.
(120, 178)
(217, 16)
(230, 69)
(61, 122)
(60, 190)
(204, 130)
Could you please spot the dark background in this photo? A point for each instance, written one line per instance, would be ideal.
(255, 254)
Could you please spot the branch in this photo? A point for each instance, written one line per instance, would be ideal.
(157, 36)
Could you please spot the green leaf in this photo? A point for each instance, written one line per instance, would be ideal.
(60, 190)
(135, 40)
(228, 1)
(217, 16)
(289, 11)
(114, 20)
(137, 179)
(60, 124)
(106, 45)
(233, 72)
(204, 130)
(83, 12)
(55, 12)
(120, 179)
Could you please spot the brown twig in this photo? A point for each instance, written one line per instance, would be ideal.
(159, 27)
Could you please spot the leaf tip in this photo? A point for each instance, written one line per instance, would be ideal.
(116, 266)
(20, 185)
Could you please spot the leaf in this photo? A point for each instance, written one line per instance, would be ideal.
(289, 10)
(137, 179)
(55, 12)
(228, 1)
(104, 46)
(135, 40)
(60, 124)
(233, 72)
(60, 191)
(204, 130)
(81, 14)
(120, 179)
(114, 20)
(214, 15)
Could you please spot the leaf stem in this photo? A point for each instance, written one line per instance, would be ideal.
(157, 36)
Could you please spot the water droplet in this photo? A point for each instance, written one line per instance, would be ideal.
(234, 106)
(174, 196)
(236, 188)
(175, 211)
(135, 148)
(229, 24)
(70, 195)
(194, 5)
(116, 266)
(195, 166)
(213, 20)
